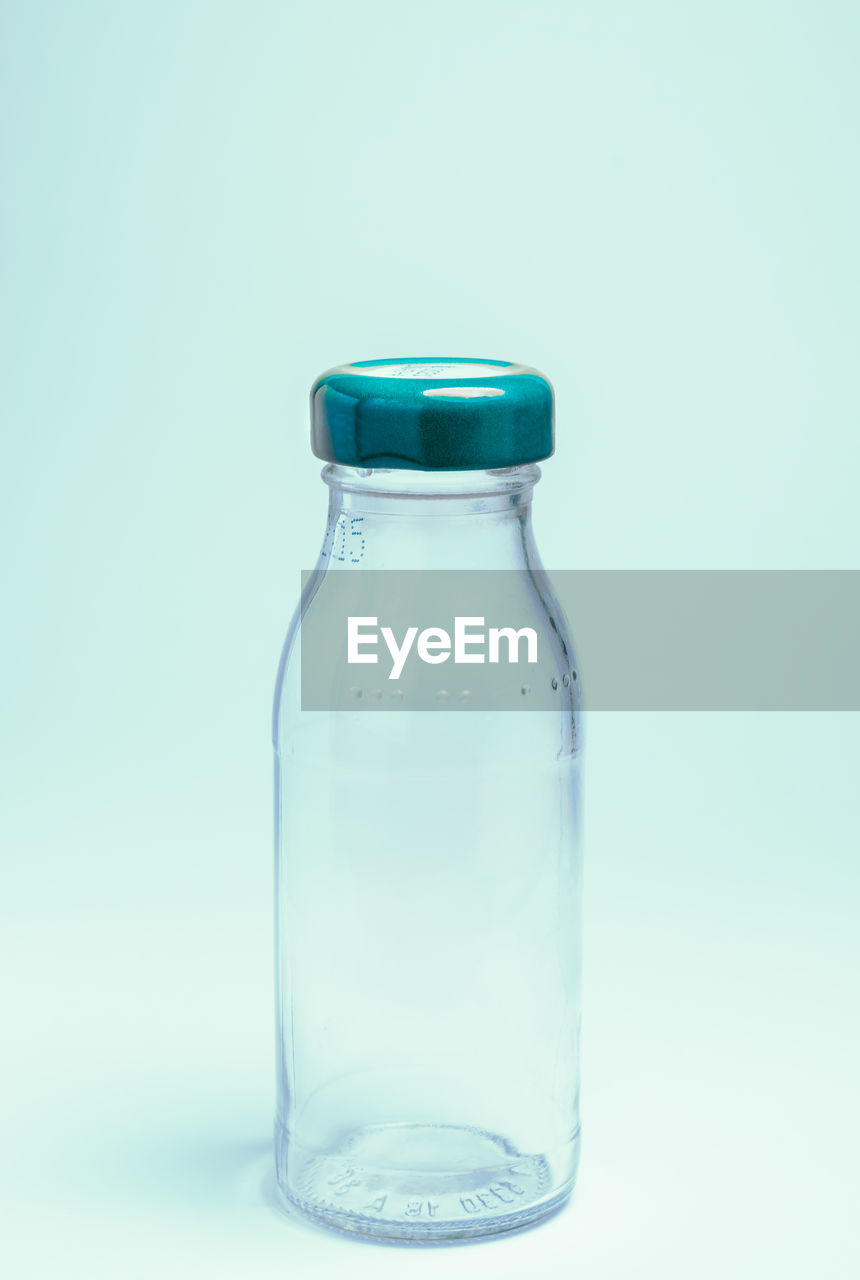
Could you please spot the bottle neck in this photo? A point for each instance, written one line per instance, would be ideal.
(400, 519)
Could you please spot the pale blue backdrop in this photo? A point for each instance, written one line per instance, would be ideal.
(205, 204)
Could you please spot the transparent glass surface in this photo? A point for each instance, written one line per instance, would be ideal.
(428, 888)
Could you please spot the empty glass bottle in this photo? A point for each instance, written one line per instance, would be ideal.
(428, 855)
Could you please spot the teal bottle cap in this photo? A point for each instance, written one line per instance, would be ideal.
(424, 414)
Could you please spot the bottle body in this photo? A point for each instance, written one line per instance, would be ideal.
(428, 890)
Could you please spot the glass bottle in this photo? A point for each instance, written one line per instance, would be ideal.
(428, 861)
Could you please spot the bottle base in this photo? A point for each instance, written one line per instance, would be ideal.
(418, 1182)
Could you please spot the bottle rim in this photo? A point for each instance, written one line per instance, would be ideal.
(402, 482)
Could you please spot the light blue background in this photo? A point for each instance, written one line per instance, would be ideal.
(203, 206)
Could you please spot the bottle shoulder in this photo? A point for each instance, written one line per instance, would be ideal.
(423, 632)
(289, 657)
